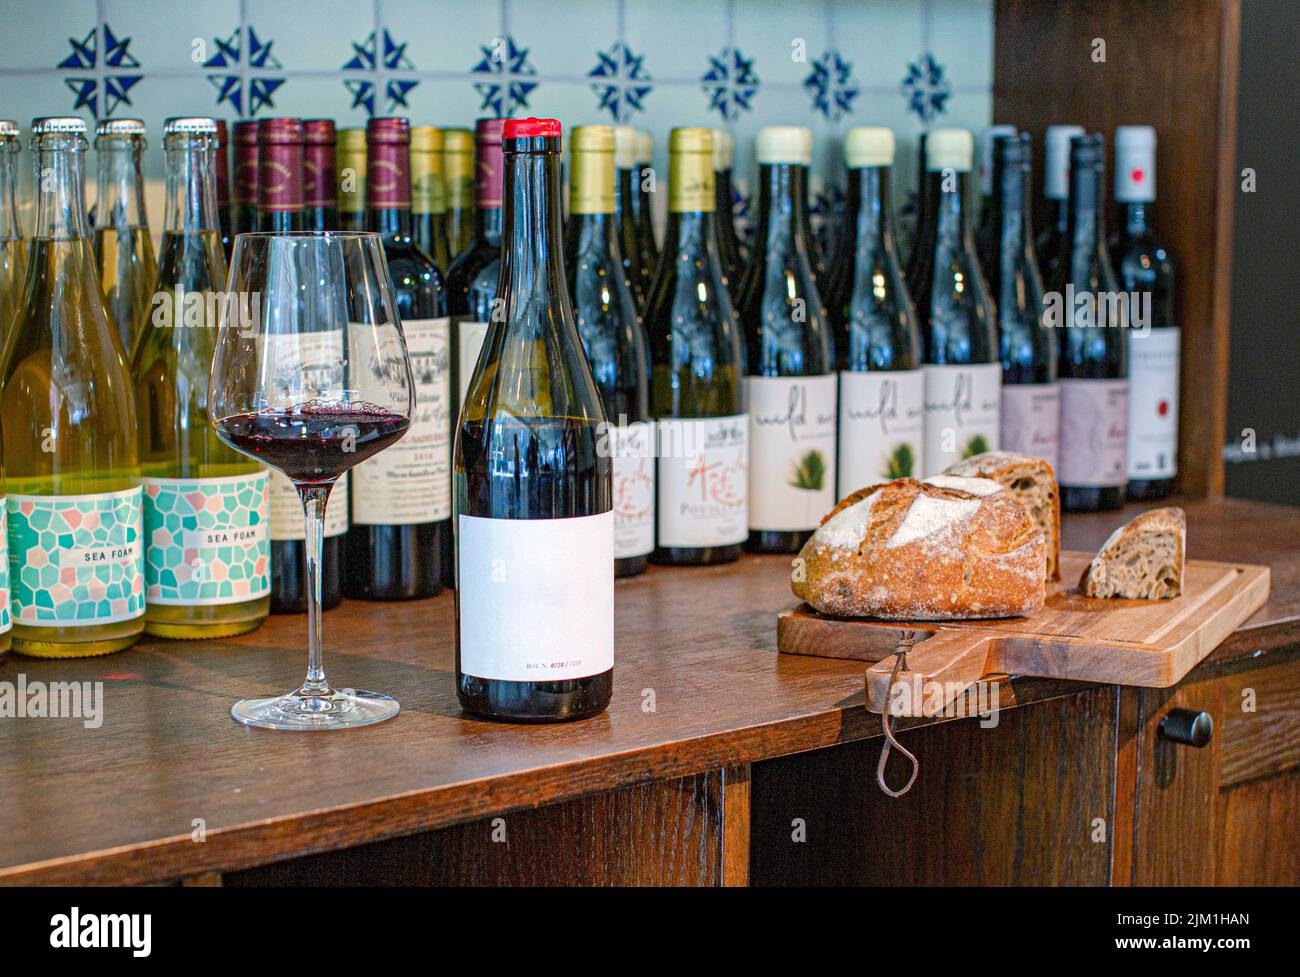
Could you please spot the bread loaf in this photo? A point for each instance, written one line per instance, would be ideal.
(1143, 559)
(904, 550)
(1032, 481)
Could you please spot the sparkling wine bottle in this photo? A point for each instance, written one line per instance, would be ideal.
(401, 499)
(458, 157)
(963, 374)
(123, 247)
(1031, 397)
(71, 468)
(1146, 272)
(791, 383)
(429, 195)
(1050, 245)
(221, 163)
(350, 161)
(243, 197)
(1093, 356)
(532, 483)
(724, 151)
(627, 204)
(206, 533)
(614, 342)
(882, 388)
(13, 249)
(697, 394)
(320, 185)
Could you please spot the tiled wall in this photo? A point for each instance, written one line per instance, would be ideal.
(827, 64)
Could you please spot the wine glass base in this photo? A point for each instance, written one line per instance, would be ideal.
(333, 709)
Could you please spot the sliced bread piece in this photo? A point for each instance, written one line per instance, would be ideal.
(1032, 481)
(1143, 559)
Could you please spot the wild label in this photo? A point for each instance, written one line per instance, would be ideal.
(1153, 403)
(882, 427)
(632, 450)
(1031, 420)
(792, 451)
(410, 483)
(703, 481)
(962, 413)
(1094, 433)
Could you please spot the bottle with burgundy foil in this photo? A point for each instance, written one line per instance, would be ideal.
(221, 162)
(614, 342)
(429, 195)
(1051, 241)
(320, 187)
(1093, 352)
(535, 544)
(401, 499)
(790, 384)
(243, 197)
(1031, 397)
(627, 204)
(280, 180)
(350, 164)
(724, 151)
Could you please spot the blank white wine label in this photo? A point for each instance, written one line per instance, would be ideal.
(410, 482)
(469, 342)
(634, 488)
(703, 481)
(1094, 433)
(1153, 403)
(286, 509)
(791, 451)
(882, 427)
(962, 413)
(1031, 420)
(536, 597)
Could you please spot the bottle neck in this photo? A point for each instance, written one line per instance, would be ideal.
(1010, 206)
(388, 189)
(60, 173)
(783, 205)
(1086, 224)
(487, 225)
(592, 233)
(119, 199)
(951, 217)
(722, 193)
(870, 215)
(532, 269)
(191, 203)
(1059, 213)
(390, 222)
(1135, 217)
(10, 229)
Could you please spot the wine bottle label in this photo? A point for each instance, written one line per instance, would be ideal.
(286, 509)
(791, 451)
(536, 597)
(6, 618)
(962, 409)
(632, 446)
(882, 426)
(78, 558)
(410, 483)
(703, 477)
(1153, 403)
(206, 540)
(469, 343)
(1094, 433)
(1031, 420)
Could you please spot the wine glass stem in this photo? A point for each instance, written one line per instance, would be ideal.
(314, 499)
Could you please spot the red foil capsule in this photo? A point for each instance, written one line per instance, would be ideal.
(320, 189)
(488, 166)
(222, 165)
(245, 162)
(388, 164)
(279, 165)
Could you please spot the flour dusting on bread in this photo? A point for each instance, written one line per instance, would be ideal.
(975, 486)
(932, 517)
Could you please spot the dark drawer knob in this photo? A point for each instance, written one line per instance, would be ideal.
(1188, 727)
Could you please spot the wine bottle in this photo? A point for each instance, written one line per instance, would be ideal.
(882, 388)
(614, 342)
(458, 155)
(645, 225)
(429, 195)
(791, 383)
(401, 500)
(922, 207)
(320, 185)
(1093, 359)
(281, 175)
(13, 249)
(627, 205)
(963, 374)
(207, 547)
(533, 486)
(243, 207)
(221, 163)
(6, 615)
(697, 394)
(815, 258)
(350, 159)
(123, 247)
(1031, 397)
(724, 151)
(988, 138)
(71, 468)
(1051, 242)
(1146, 273)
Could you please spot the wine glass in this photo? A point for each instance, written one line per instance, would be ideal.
(311, 376)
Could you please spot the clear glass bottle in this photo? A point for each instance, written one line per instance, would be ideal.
(13, 249)
(123, 247)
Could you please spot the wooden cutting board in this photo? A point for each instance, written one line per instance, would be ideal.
(1122, 642)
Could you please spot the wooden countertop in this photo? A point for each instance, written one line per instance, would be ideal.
(698, 685)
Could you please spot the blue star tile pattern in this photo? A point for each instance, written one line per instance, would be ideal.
(730, 83)
(926, 88)
(623, 82)
(116, 70)
(230, 84)
(832, 86)
(510, 71)
(393, 59)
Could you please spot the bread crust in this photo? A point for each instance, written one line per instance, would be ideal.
(904, 550)
(1170, 521)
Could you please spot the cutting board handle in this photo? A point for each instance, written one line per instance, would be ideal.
(956, 658)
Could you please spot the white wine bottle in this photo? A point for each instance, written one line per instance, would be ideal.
(535, 538)
(207, 545)
(123, 247)
(72, 474)
(13, 249)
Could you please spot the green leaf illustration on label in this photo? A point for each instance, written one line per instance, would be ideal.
(810, 472)
(975, 446)
(900, 462)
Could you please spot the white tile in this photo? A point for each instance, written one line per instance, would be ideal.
(677, 37)
(961, 38)
(430, 45)
(782, 37)
(311, 37)
(879, 37)
(563, 39)
(44, 34)
(172, 36)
